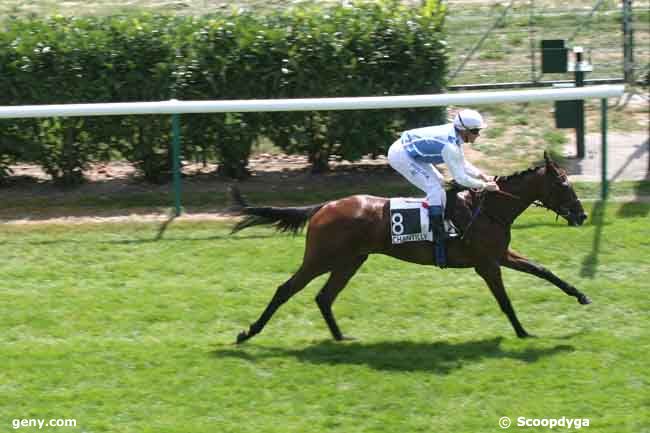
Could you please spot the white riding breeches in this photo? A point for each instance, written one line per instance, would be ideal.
(421, 174)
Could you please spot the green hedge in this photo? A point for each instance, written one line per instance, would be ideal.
(375, 49)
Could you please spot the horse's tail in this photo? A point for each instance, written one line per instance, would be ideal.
(284, 219)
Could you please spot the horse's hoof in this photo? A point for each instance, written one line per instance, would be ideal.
(243, 336)
(584, 300)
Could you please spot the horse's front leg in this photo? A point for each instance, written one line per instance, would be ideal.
(491, 273)
(518, 262)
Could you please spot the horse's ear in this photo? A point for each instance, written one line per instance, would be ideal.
(551, 166)
(547, 158)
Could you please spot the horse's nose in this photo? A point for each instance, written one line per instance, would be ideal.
(576, 219)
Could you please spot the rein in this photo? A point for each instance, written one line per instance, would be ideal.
(562, 210)
(482, 195)
(475, 214)
(538, 203)
(477, 211)
(507, 194)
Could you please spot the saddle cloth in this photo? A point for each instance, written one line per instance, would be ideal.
(409, 221)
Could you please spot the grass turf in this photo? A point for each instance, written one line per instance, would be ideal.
(102, 324)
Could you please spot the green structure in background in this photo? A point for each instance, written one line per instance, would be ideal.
(176, 155)
(554, 56)
(568, 114)
(604, 187)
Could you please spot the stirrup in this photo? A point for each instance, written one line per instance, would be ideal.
(451, 229)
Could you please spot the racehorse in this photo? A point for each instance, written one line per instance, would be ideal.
(342, 233)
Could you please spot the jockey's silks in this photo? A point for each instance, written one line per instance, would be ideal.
(441, 144)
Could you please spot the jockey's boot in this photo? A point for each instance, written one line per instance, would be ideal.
(436, 218)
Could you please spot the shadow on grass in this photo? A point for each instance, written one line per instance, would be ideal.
(633, 210)
(158, 238)
(561, 224)
(590, 262)
(435, 357)
(163, 227)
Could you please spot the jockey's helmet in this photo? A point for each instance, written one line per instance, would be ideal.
(468, 119)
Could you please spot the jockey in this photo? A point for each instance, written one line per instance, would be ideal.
(415, 154)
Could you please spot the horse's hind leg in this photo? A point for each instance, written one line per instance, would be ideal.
(335, 283)
(292, 286)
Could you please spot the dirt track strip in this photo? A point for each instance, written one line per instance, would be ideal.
(133, 218)
(194, 217)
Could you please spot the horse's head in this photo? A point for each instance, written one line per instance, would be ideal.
(558, 194)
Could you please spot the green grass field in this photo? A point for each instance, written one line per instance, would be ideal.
(106, 325)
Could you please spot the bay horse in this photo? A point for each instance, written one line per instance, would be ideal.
(342, 233)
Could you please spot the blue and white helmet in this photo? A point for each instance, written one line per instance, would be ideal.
(469, 119)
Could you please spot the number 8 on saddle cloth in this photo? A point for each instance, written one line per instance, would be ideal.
(409, 221)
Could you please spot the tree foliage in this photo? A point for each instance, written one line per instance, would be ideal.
(376, 49)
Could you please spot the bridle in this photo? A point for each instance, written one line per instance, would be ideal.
(562, 210)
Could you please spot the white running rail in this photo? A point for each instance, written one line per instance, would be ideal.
(314, 104)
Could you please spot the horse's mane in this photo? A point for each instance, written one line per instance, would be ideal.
(519, 173)
(454, 187)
